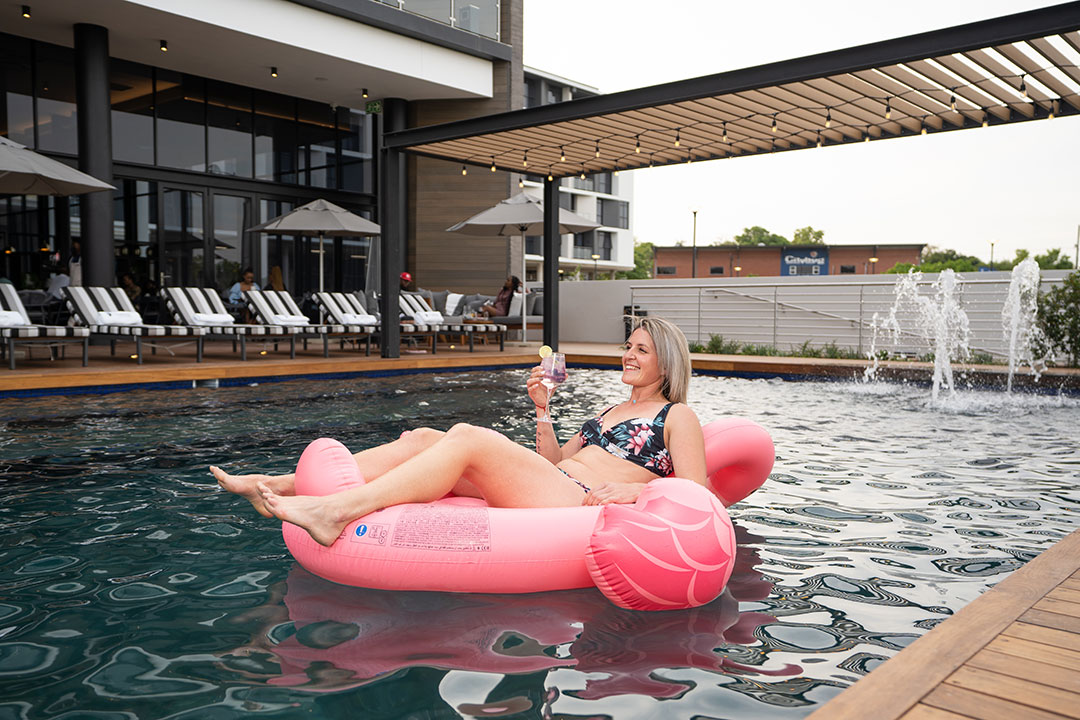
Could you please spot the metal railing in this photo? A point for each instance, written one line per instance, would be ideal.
(785, 314)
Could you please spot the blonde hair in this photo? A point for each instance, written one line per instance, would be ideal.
(673, 354)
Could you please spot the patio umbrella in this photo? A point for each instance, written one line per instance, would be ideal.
(25, 172)
(321, 218)
(521, 214)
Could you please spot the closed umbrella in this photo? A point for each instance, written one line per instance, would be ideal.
(25, 172)
(319, 218)
(521, 214)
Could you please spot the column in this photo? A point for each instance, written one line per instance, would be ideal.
(95, 151)
(392, 219)
(552, 241)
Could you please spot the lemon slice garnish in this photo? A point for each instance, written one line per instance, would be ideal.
(545, 351)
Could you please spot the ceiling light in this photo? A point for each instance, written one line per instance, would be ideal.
(26, 11)
(363, 92)
(273, 71)
(164, 46)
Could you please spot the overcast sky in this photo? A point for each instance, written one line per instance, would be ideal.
(1017, 185)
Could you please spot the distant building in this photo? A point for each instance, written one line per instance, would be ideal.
(603, 197)
(719, 261)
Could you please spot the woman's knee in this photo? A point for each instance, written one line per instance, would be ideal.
(471, 433)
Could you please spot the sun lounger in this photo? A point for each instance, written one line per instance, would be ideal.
(456, 324)
(277, 307)
(16, 328)
(109, 313)
(203, 308)
(345, 310)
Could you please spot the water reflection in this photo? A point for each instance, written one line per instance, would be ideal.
(327, 637)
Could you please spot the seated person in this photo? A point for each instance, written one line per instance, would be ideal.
(57, 282)
(247, 282)
(501, 305)
(131, 288)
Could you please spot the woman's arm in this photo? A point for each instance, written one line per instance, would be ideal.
(547, 445)
(686, 444)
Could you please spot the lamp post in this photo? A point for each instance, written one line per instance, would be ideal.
(693, 262)
(737, 269)
(991, 256)
(595, 257)
(873, 264)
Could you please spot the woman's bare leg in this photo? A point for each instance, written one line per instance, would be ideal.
(505, 473)
(373, 463)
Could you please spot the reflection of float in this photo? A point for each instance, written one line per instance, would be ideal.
(671, 549)
(367, 634)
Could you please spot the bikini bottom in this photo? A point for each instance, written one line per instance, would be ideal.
(580, 484)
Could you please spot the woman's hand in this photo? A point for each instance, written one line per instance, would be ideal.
(537, 392)
(607, 493)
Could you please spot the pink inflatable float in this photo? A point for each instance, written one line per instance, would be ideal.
(672, 549)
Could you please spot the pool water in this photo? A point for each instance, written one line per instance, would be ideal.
(131, 587)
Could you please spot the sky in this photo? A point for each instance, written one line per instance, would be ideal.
(1017, 186)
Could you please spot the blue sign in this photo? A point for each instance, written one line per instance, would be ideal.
(804, 261)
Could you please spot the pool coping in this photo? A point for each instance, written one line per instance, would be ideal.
(111, 375)
(1032, 617)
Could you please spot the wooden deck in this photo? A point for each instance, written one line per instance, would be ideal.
(1012, 654)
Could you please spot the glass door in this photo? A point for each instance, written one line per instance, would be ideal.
(233, 251)
(182, 238)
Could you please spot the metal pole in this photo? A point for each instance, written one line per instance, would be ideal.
(991, 257)
(551, 263)
(775, 305)
(693, 265)
(524, 290)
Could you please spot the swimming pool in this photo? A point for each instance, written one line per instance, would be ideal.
(131, 587)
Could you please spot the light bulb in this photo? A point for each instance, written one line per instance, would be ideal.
(521, 182)
(1023, 87)
(562, 154)
(464, 171)
(774, 122)
(525, 159)
(828, 118)
(952, 103)
(724, 127)
(637, 145)
(164, 46)
(492, 164)
(363, 92)
(888, 109)
(676, 138)
(597, 148)
(273, 72)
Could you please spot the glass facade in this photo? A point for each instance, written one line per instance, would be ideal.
(197, 162)
(475, 16)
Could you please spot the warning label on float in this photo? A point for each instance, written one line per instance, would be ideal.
(436, 527)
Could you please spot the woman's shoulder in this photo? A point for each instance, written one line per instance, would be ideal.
(681, 413)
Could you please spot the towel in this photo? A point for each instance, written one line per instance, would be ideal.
(290, 320)
(11, 318)
(119, 317)
(428, 317)
(213, 319)
(358, 319)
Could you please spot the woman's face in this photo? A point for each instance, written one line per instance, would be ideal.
(641, 365)
(509, 283)
(249, 278)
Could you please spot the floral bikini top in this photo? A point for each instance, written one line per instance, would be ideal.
(639, 440)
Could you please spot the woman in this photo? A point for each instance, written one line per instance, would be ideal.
(501, 306)
(614, 455)
(246, 282)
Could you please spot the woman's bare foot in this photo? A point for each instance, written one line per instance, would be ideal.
(311, 512)
(247, 486)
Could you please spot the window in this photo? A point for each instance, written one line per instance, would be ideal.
(57, 119)
(613, 213)
(847, 269)
(716, 270)
(532, 92)
(584, 244)
(567, 201)
(606, 242)
(553, 95)
(602, 182)
(665, 270)
(181, 121)
(275, 137)
(354, 127)
(228, 119)
(318, 143)
(534, 245)
(17, 108)
(131, 94)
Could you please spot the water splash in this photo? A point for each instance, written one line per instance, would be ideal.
(938, 320)
(1018, 319)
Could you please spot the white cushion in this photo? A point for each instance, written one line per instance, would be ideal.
(213, 319)
(11, 318)
(453, 303)
(358, 319)
(291, 320)
(428, 317)
(118, 317)
(515, 305)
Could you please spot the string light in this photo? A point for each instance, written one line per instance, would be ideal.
(550, 176)
(774, 122)
(1053, 110)
(828, 118)
(1023, 87)
(888, 109)
(582, 171)
(866, 135)
(616, 173)
(525, 159)
(986, 119)
(492, 163)
(724, 127)
(676, 138)
(922, 127)
(521, 182)
(819, 139)
(637, 144)
(464, 171)
(562, 154)
(597, 148)
(952, 102)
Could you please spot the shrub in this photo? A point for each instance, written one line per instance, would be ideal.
(719, 346)
(1059, 319)
(767, 350)
(807, 350)
(696, 347)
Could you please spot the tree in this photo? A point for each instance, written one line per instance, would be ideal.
(758, 235)
(936, 260)
(1059, 319)
(643, 263)
(809, 236)
(1054, 259)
